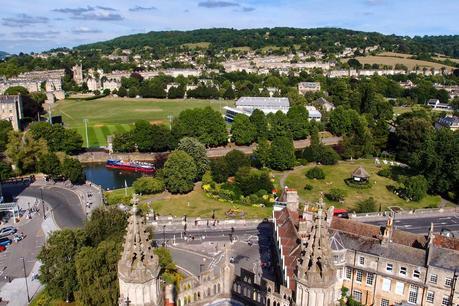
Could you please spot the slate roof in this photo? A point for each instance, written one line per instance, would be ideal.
(444, 258)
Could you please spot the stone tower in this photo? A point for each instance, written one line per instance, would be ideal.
(78, 73)
(138, 268)
(316, 273)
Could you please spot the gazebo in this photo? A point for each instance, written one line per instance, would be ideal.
(360, 175)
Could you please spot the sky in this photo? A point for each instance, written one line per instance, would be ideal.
(39, 25)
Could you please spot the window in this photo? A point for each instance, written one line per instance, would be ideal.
(445, 301)
(402, 270)
(357, 295)
(384, 302)
(448, 282)
(389, 267)
(433, 278)
(386, 284)
(359, 276)
(340, 273)
(413, 294)
(348, 273)
(370, 279)
(430, 296)
(361, 260)
(416, 274)
(399, 287)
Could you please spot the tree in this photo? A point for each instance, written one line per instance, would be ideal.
(235, 159)
(97, 274)
(279, 125)
(50, 164)
(122, 92)
(72, 170)
(295, 98)
(24, 151)
(105, 224)
(251, 181)
(366, 206)
(341, 120)
(219, 169)
(57, 256)
(262, 153)
(5, 171)
(5, 128)
(335, 194)
(415, 187)
(411, 133)
(57, 137)
(243, 131)
(282, 155)
(197, 151)
(298, 121)
(260, 122)
(229, 94)
(179, 172)
(124, 142)
(148, 185)
(168, 268)
(354, 63)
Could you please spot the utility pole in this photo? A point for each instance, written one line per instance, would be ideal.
(25, 277)
(86, 131)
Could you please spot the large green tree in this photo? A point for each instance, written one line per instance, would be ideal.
(282, 155)
(198, 151)
(258, 119)
(105, 224)
(298, 121)
(24, 151)
(236, 159)
(243, 130)
(179, 172)
(72, 170)
(5, 128)
(50, 164)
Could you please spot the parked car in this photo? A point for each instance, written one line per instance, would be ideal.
(2, 248)
(5, 241)
(8, 230)
(18, 237)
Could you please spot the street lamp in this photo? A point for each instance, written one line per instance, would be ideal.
(164, 235)
(25, 277)
(42, 204)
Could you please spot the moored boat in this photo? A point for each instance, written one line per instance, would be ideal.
(135, 166)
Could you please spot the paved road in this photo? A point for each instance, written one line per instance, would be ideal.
(421, 225)
(65, 204)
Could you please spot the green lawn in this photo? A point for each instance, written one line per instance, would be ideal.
(195, 204)
(109, 115)
(334, 178)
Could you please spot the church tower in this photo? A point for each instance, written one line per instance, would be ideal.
(138, 268)
(316, 273)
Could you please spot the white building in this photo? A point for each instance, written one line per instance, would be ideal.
(437, 105)
(304, 87)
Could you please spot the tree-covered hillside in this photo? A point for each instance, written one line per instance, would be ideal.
(328, 39)
(3, 54)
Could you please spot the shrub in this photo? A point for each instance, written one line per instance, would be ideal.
(315, 173)
(366, 206)
(335, 195)
(415, 187)
(308, 187)
(328, 156)
(250, 180)
(148, 185)
(384, 172)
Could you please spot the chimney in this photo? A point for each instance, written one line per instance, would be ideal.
(430, 244)
(388, 230)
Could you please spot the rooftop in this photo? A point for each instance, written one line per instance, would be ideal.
(262, 102)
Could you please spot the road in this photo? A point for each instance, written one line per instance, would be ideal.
(421, 225)
(67, 210)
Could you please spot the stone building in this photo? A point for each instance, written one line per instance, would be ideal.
(77, 71)
(138, 268)
(305, 87)
(11, 110)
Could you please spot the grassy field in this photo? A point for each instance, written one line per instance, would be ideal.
(398, 59)
(109, 115)
(195, 204)
(199, 45)
(334, 178)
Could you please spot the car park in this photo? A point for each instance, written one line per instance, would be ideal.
(7, 230)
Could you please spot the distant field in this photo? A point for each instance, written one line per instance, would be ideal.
(392, 61)
(240, 49)
(109, 115)
(202, 45)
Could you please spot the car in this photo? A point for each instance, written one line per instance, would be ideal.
(2, 248)
(18, 237)
(5, 241)
(8, 230)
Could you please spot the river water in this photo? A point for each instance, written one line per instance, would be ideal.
(109, 178)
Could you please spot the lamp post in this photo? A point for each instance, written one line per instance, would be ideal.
(25, 277)
(164, 235)
(86, 132)
(42, 204)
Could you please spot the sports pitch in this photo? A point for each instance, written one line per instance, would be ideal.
(107, 116)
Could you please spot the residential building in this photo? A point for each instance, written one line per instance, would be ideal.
(437, 105)
(324, 104)
(11, 110)
(305, 87)
(314, 114)
(449, 122)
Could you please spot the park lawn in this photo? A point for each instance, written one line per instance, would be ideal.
(393, 60)
(193, 204)
(107, 116)
(334, 178)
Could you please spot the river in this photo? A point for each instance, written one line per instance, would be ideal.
(109, 178)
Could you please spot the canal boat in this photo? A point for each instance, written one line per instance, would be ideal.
(135, 166)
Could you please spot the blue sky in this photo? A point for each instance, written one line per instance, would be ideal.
(37, 25)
